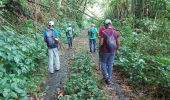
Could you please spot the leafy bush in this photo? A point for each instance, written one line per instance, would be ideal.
(140, 48)
(19, 56)
(141, 69)
(81, 83)
(20, 53)
(63, 26)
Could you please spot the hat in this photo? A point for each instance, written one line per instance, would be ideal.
(108, 21)
(51, 23)
(93, 25)
(69, 24)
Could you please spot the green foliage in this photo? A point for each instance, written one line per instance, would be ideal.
(140, 50)
(81, 83)
(63, 27)
(20, 55)
(26, 27)
(142, 69)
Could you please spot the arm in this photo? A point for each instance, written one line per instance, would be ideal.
(88, 32)
(57, 37)
(45, 36)
(117, 42)
(97, 34)
(100, 32)
(60, 44)
(101, 40)
(73, 33)
(66, 33)
(56, 33)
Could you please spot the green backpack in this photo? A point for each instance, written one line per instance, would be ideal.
(92, 32)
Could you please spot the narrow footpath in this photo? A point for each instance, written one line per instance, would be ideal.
(54, 83)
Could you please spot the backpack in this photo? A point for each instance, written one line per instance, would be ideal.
(70, 32)
(110, 39)
(91, 33)
(51, 38)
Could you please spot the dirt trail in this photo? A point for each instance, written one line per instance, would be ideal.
(56, 80)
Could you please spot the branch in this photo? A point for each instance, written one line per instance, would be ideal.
(83, 12)
(38, 4)
(4, 7)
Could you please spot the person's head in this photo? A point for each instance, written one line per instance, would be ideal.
(69, 24)
(107, 23)
(51, 24)
(93, 25)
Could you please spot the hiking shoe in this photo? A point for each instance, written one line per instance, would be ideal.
(57, 70)
(108, 81)
(91, 51)
(51, 72)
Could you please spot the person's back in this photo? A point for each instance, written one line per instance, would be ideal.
(50, 35)
(92, 33)
(110, 37)
(70, 35)
(109, 45)
(69, 32)
(101, 30)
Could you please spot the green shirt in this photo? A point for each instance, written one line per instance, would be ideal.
(92, 33)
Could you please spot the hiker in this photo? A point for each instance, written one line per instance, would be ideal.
(99, 35)
(92, 33)
(70, 35)
(109, 44)
(51, 37)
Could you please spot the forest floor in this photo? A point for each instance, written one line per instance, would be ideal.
(118, 90)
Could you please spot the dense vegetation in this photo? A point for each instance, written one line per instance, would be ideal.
(144, 58)
(81, 83)
(144, 29)
(20, 58)
(23, 59)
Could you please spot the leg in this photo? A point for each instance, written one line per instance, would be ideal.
(90, 44)
(99, 60)
(57, 59)
(68, 39)
(71, 42)
(103, 63)
(94, 44)
(110, 61)
(50, 62)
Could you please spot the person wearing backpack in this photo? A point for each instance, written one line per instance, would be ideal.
(109, 44)
(92, 33)
(99, 35)
(70, 35)
(51, 37)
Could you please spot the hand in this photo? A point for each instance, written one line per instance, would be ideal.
(57, 39)
(117, 52)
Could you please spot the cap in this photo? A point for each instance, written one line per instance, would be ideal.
(108, 21)
(69, 24)
(51, 23)
(93, 25)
